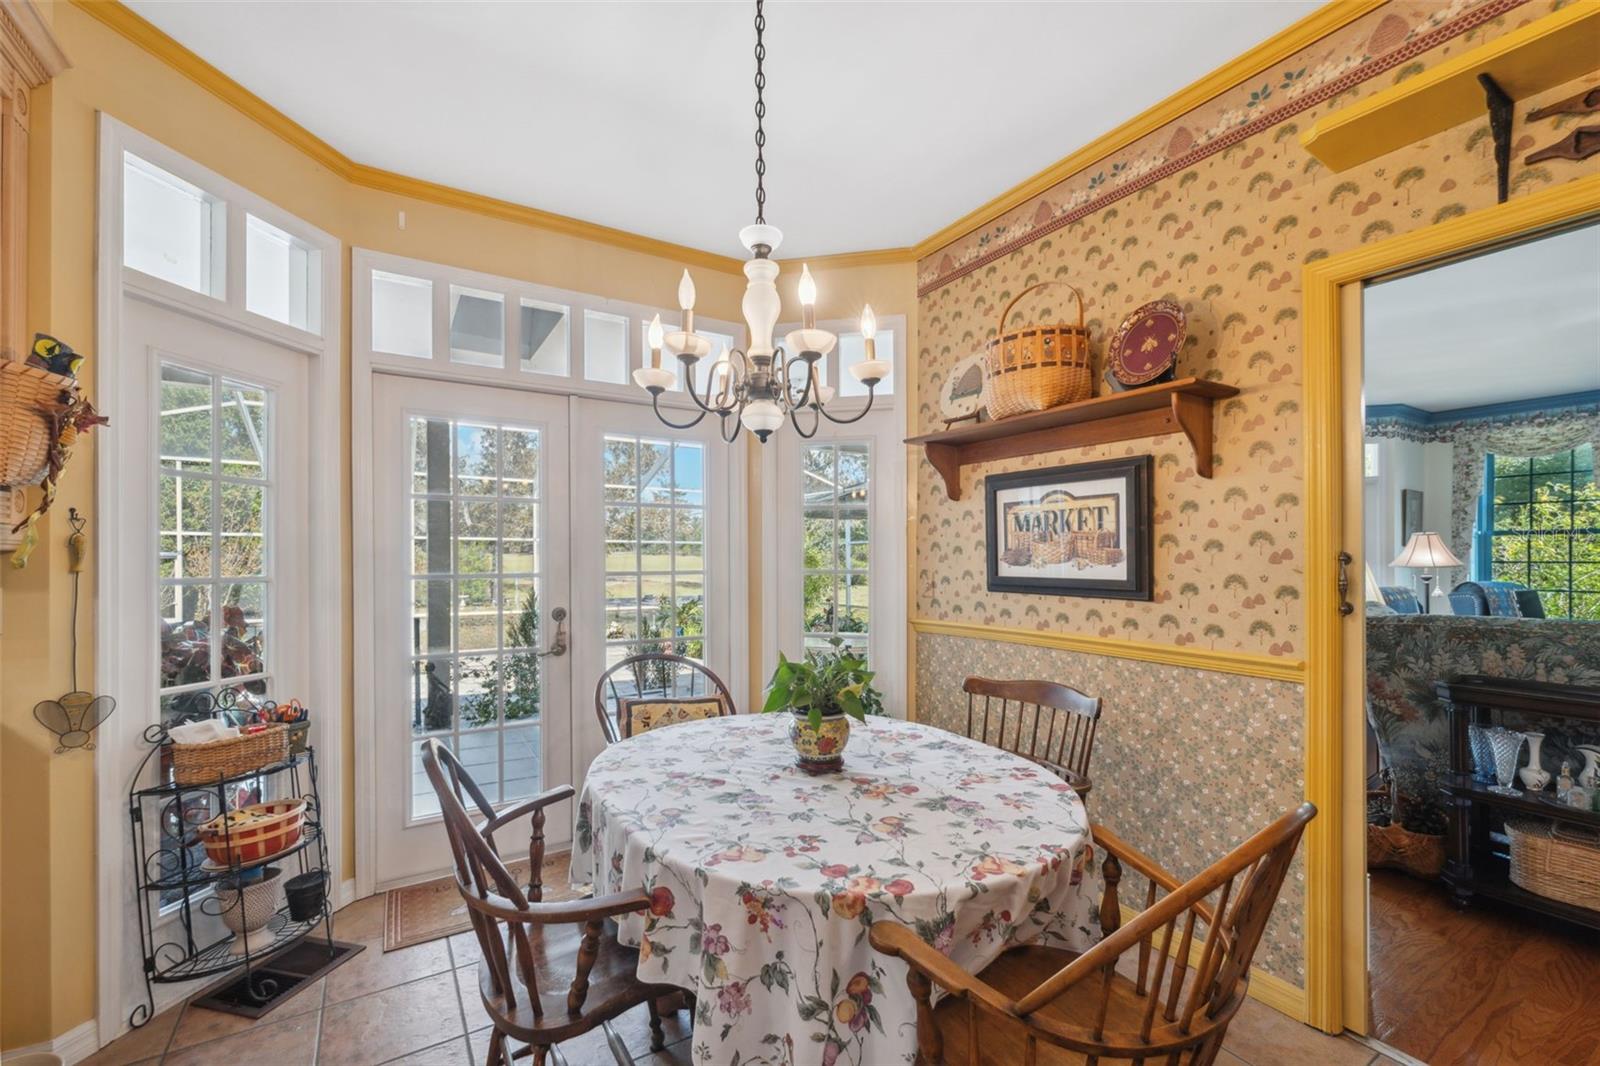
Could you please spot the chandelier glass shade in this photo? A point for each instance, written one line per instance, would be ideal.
(761, 385)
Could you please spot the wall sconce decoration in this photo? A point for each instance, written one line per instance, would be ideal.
(74, 717)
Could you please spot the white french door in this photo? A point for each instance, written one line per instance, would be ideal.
(470, 574)
(653, 510)
(493, 509)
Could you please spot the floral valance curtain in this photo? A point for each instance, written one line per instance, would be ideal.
(1518, 436)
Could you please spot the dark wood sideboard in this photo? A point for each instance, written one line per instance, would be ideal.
(1476, 863)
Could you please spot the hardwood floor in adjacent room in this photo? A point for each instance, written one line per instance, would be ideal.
(1484, 986)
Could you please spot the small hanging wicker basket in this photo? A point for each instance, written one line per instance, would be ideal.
(1038, 367)
(24, 429)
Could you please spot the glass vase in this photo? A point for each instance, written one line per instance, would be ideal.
(1506, 745)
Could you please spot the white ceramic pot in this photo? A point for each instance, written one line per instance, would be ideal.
(1534, 777)
(246, 910)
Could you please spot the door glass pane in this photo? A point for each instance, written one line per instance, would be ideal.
(835, 544)
(282, 276)
(214, 565)
(544, 337)
(655, 546)
(171, 229)
(605, 347)
(477, 327)
(475, 500)
(402, 315)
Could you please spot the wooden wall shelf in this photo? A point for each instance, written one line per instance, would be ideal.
(1182, 406)
(1547, 52)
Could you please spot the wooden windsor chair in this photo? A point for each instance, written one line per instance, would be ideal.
(1047, 723)
(655, 689)
(528, 947)
(1039, 1006)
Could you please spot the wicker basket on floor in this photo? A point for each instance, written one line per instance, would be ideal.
(1555, 861)
(24, 430)
(1037, 367)
(1393, 845)
(202, 764)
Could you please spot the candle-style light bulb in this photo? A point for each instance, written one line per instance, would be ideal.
(656, 336)
(870, 369)
(808, 298)
(686, 301)
(722, 378)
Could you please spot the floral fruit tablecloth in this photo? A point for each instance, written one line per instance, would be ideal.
(764, 881)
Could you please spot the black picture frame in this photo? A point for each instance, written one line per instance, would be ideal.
(1134, 496)
(1410, 514)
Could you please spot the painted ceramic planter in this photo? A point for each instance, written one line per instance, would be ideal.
(819, 749)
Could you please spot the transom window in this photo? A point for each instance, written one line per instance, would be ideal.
(1546, 532)
(475, 675)
(655, 528)
(836, 497)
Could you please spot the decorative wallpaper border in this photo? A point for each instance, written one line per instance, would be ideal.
(1142, 172)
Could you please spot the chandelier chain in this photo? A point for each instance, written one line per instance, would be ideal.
(761, 114)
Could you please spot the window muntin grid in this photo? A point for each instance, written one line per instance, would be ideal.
(835, 497)
(655, 528)
(1546, 529)
(475, 505)
(214, 556)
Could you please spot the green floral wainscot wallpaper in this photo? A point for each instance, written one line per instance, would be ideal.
(1219, 211)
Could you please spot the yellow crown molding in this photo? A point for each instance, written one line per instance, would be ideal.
(1330, 875)
(1226, 662)
(1321, 22)
(1547, 52)
(1270, 991)
(846, 260)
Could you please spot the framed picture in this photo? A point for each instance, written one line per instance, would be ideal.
(1080, 530)
(1410, 514)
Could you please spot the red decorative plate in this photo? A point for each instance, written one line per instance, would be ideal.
(1146, 344)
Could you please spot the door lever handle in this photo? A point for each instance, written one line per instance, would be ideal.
(558, 643)
(1345, 606)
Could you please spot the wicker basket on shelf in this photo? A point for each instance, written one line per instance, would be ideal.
(24, 430)
(1038, 367)
(202, 764)
(251, 834)
(1555, 861)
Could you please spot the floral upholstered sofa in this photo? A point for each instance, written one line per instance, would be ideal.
(1407, 654)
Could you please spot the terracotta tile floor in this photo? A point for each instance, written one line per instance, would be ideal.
(419, 1006)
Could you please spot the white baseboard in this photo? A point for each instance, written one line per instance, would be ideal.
(347, 895)
(74, 1045)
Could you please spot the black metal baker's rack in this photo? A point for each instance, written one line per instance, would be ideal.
(180, 954)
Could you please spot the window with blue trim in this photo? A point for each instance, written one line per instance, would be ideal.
(1544, 529)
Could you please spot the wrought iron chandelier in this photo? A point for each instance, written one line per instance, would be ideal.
(757, 388)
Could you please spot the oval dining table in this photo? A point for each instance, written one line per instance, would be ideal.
(764, 880)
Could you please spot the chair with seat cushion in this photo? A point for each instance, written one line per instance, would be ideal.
(656, 689)
(1051, 1007)
(1047, 723)
(528, 947)
(1400, 600)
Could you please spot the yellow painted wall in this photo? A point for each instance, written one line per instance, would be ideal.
(47, 831)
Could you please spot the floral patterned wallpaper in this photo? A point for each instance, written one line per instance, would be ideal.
(1219, 210)
(1219, 759)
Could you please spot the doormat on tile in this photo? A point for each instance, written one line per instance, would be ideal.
(427, 911)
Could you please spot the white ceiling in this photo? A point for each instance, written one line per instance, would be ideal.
(885, 121)
(1515, 324)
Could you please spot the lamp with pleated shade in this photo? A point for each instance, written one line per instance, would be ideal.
(1426, 552)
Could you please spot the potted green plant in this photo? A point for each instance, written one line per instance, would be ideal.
(822, 692)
